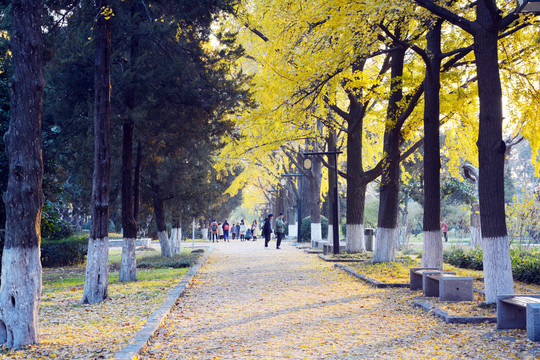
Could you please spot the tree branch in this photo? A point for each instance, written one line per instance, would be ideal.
(449, 16)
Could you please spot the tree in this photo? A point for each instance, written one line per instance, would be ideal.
(485, 30)
(97, 264)
(20, 290)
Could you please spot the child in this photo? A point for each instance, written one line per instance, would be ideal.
(248, 235)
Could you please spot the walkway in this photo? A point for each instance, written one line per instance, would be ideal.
(250, 303)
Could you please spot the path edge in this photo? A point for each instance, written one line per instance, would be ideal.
(140, 341)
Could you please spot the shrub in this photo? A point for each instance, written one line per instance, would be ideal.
(306, 228)
(64, 252)
(525, 262)
(182, 260)
(52, 225)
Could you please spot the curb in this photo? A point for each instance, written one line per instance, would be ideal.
(450, 319)
(139, 342)
(325, 258)
(371, 281)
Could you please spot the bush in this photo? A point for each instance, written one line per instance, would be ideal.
(306, 228)
(183, 260)
(52, 225)
(64, 252)
(525, 262)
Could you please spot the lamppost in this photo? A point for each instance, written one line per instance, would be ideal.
(335, 227)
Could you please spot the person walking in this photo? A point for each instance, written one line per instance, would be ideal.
(267, 229)
(233, 230)
(214, 229)
(280, 229)
(243, 230)
(225, 231)
(237, 228)
(254, 229)
(444, 229)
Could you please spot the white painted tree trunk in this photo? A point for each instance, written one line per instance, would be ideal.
(355, 238)
(164, 244)
(176, 236)
(432, 255)
(401, 240)
(385, 244)
(96, 283)
(330, 233)
(292, 231)
(498, 278)
(20, 295)
(316, 233)
(204, 233)
(476, 236)
(128, 263)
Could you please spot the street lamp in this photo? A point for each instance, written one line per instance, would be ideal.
(528, 6)
(335, 226)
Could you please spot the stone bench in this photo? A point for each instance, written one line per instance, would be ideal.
(431, 282)
(415, 277)
(519, 312)
(454, 288)
(328, 248)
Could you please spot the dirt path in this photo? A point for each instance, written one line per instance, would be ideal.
(251, 303)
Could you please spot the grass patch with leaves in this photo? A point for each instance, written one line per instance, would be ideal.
(70, 330)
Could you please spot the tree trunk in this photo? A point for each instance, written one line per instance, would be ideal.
(176, 237)
(491, 149)
(128, 263)
(314, 196)
(160, 222)
(97, 264)
(476, 227)
(433, 246)
(332, 144)
(137, 183)
(20, 288)
(389, 189)
(356, 184)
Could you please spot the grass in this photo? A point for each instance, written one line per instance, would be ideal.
(70, 330)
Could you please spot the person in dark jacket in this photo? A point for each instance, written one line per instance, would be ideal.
(267, 229)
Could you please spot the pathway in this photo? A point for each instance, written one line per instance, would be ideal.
(250, 303)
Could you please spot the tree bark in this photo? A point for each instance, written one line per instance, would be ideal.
(389, 189)
(314, 196)
(97, 265)
(128, 265)
(433, 246)
(491, 150)
(160, 222)
(20, 289)
(137, 183)
(356, 182)
(332, 144)
(176, 237)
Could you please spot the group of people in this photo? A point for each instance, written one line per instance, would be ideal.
(219, 231)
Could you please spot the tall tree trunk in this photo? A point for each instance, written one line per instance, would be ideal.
(20, 289)
(314, 196)
(137, 182)
(97, 264)
(128, 263)
(356, 185)
(389, 189)
(491, 149)
(433, 246)
(160, 222)
(332, 144)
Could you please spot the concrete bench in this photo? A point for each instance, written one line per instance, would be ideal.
(456, 288)
(415, 276)
(431, 282)
(519, 312)
(328, 248)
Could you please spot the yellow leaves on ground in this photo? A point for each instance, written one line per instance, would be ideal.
(69, 330)
(252, 303)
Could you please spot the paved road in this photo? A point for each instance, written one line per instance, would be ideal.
(250, 303)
